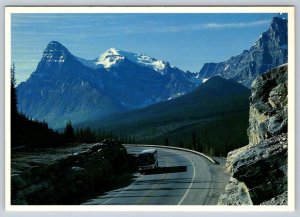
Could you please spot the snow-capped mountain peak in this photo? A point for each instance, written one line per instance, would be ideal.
(145, 60)
(113, 56)
(109, 58)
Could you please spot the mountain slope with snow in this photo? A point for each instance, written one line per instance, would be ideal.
(66, 87)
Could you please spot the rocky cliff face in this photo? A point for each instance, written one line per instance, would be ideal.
(268, 105)
(259, 170)
(66, 176)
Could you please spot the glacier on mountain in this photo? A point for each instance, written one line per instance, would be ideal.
(113, 56)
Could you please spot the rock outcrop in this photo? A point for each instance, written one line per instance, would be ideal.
(261, 167)
(64, 176)
(268, 105)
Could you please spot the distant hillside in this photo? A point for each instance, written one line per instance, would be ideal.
(217, 105)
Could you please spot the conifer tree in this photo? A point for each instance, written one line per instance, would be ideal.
(194, 141)
(69, 134)
(13, 104)
(166, 141)
(13, 95)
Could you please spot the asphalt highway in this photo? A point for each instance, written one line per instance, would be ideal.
(183, 178)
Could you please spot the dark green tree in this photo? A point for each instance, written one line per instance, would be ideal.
(194, 141)
(199, 145)
(166, 141)
(13, 92)
(13, 107)
(89, 136)
(69, 134)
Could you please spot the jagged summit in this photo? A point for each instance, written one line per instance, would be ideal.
(283, 16)
(55, 45)
(55, 52)
(279, 25)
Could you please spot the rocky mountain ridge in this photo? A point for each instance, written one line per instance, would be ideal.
(269, 51)
(259, 170)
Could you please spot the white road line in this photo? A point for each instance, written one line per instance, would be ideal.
(144, 198)
(187, 191)
(121, 191)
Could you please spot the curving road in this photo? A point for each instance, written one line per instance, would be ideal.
(183, 178)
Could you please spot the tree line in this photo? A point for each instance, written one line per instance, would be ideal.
(215, 138)
(88, 135)
(218, 137)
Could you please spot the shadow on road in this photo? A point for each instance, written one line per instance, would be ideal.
(160, 170)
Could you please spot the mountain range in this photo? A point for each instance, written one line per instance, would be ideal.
(65, 87)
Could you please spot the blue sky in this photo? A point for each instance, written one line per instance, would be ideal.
(185, 40)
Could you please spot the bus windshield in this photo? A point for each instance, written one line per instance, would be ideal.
(146, 159)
